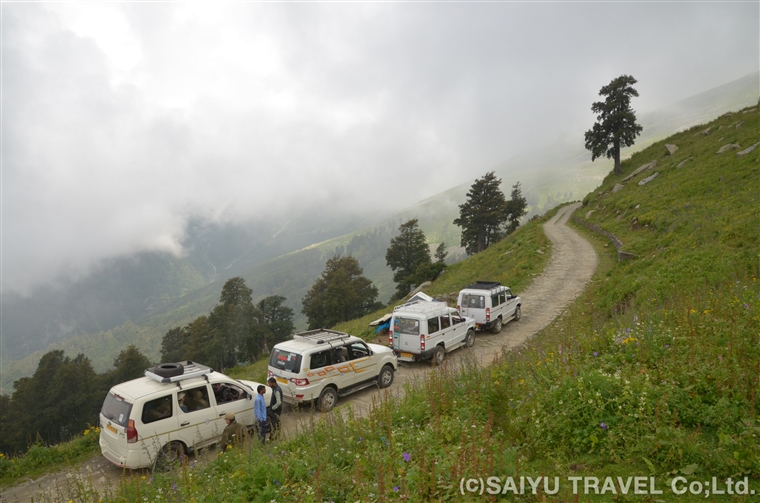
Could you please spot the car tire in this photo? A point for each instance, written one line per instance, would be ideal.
(385, 378)
(169, 369)
(469, 339)
(496, 328)
(518, 313)
(439, 355)
(169, 457)
(327, 399)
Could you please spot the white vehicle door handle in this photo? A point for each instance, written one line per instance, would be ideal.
(185, 423)
(223, 413)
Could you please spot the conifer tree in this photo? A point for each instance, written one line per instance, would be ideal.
(482, 215)
(616, 125)
(406, 253)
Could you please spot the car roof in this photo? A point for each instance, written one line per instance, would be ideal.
(304, 345)
(145, 386)
(423, 309)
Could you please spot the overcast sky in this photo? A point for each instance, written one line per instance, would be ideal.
(122, 120)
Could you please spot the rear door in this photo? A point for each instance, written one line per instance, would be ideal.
(114, 416)
(157, 422)
(474, 306)
(406, 335)
(199, 426)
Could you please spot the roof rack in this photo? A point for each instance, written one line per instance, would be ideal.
(321, 336)
(188, 369)
(483, 285)
(421, 306)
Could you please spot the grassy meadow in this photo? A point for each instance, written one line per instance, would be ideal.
(652, 372)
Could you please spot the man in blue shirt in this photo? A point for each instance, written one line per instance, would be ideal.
(260, 411)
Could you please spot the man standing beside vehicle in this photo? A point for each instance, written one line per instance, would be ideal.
(275, 405)
(260, 411)
(233, 433)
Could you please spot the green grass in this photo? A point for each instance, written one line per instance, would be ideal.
(40, 459)
(652, 371)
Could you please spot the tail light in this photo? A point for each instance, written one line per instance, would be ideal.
(270, 373)
(422, 342)
(458, 308)
(488, 314)
(299, 382)
(131, 432)
(390, 338)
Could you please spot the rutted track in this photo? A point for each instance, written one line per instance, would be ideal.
(570, 268)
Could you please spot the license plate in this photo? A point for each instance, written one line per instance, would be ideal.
(111, 428)
(407, 355)
(282, 380)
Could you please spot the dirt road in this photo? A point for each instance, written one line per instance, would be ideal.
(570, 268)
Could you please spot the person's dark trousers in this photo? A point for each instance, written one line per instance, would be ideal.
(263, 431)
(275, 415)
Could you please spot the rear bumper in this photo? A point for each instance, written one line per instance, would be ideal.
(404, 356)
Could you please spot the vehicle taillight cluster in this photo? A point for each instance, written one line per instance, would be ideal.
(390, 338)
(131, 432)
(488, 314)
(422, 342)
(299, 382)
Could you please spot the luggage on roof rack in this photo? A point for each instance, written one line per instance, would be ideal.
(179, 371)
(321, 335)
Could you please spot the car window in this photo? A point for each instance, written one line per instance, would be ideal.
(155, 410)
(340, 354)
(197, 399)
(456, 318)
(358, 350)
(445, 321)
(433, 325)
(473, 301)
(285, 360)
(321, 359)
(502, 297)
(228, 392)
(406, 326)
(495, 300)
(116, 409)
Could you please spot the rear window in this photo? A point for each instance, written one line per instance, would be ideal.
(406, 326)
(285, 360)
(116, 409)
(473, 301)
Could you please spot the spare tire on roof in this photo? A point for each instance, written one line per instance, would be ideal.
(169, 369)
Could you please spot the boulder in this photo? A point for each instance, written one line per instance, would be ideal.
(680, 164)
(747, 150)
(638, 170)
(728, 146)
(588, 213)
(648, 179)
(617, 188)
(671, 148)
(707, 131)
(738, 125)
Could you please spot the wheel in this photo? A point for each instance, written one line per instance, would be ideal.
(439, 354)
(469, 339)
(169, 369)
(496, 328)
(169, 457)
(385, 378)
(518, 313)
(327, 399)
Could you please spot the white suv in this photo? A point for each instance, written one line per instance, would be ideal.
(152, 421)
(422, 330)
(490, 304)
(321, 365)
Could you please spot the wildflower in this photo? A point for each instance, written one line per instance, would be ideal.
(407, 457)
(86, 432)
(395, 489)
(596, 353)
(603, 425)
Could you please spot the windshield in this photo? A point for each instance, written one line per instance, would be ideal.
(406, 326)
(116, 409)
(285, 360)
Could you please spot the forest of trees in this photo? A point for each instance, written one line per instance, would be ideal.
(64, 395)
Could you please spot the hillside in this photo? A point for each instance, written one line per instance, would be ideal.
(558, 173)
(653, 371)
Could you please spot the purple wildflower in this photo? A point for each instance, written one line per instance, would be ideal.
(395, 489)
(596, 353)
(407, 457)
(603, 425)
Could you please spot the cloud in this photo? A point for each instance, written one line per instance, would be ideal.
(122, 121)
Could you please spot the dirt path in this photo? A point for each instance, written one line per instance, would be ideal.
(570, 268)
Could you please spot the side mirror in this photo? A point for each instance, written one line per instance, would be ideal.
(371, 353)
